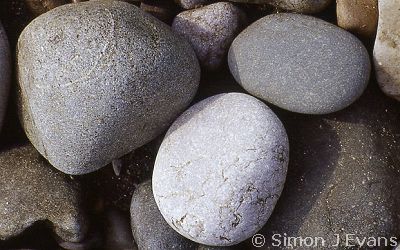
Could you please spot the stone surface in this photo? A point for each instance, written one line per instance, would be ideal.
(149, 228)
(343, 175)
(221, 169)
(300, 6)
(359, 17)
(191, 4)
(118, 231)
(387, 48)
(32, 191)
(163, 10)
(5, 72)
(79, 107)
(210, 30)
(300, 63)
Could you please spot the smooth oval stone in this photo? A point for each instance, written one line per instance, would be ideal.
(387, 48)
(220, 169)
(300, 63)
(5, 72)
(98, 79)
(300, 6)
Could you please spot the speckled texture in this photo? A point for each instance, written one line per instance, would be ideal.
(149, 228)
(210, 30)
(31, 191)
(191, 4)
(221, 169)
(5, 72)
(98, 79)
(300, 6)
(343, 174)
(359, 17)
(387, 48)
(300, 63)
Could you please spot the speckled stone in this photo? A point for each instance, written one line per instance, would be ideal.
(31, 191)
(343, 174)
(210, 30)
(387, 48)
(98, 79)
(300, 63)
(300, 6)
(220, 169)
(5, 72)
(191, 4)
(359, 17)
(149, 228)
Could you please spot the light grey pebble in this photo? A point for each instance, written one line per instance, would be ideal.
(220, 169)
(300, 6)
(210, 30)
(300, 63)
(5, 72)
(32, 191)
(149, 228)
(98, 79)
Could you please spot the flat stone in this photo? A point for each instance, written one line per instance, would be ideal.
(387, 48)
(32, 191)
(300, 6)
(300, 63)
(149, 228)
(359, 17)
(108, 81)
(220, 169)
(5, 72)
(210, 30)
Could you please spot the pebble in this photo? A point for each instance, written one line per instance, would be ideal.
(387, 48)
(80, 108)
(220, 169)
(210, 30)
(300, 6)
(118, 231)
(300, 63)
(191, 4)
(5, 72)
(359, 17)
(149, 228)
(32, 191)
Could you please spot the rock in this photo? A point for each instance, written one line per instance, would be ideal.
(358, 17)
(221, 169)
(343, 175)
(300, 63)
(149, 228)
(387, 48)
(32, 191)
(38, 7)
(118, 231)
(79, 107)
(191, 4)
(163, 10)
(5, 72)
(300, 6)
(210, 30)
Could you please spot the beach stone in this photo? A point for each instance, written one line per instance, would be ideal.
(109, 81)
(191, 4)
(221, 169)
(32, 191)
(387, 48)
(343, 175)
(149, 228)
(300, 6)
(210, 30)
(300, 63)
(5, 72)
(359, 17)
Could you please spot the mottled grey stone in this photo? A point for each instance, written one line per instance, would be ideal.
(210, 30)
(221, 169)
(300, 63)
(98, 79)
(5, 72)
(31, 191)
(300, 6)
(149, 228)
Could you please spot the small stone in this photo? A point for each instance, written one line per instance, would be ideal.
(359, 17)
(118, 231)
(32, 191)
(191, 4)
(99, 79)
(387, 48)
(300, 6)
(149, 228)
(163, 10)
(220, 169)
(300, 63)
(210, 30)
(5, 72)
